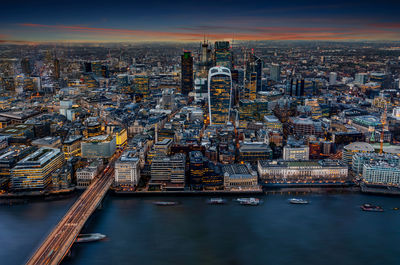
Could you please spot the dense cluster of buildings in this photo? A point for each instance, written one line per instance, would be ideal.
(213, 117)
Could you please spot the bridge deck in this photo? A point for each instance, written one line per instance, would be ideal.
(60, 240)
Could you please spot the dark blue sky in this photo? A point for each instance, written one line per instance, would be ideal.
(116, 20)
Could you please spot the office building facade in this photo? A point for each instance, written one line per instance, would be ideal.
(219, 95)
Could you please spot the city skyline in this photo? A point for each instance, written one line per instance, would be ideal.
(186, 21)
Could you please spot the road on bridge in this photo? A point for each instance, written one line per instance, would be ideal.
(59, 241)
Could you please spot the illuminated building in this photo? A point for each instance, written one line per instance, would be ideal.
(96, 68)
(34, 171)
(316, 111)
(223, 55)
(272, 122)
(141, 84)
(205, 60)
(252, 152)
(213, 178)
(381, 173)
(304, 126)
(353, 148)
(396, 113)
(275, 72)
(85, 176)
(163, 146)
(9, 157)
(302, 172)
(219, 95)
(121, 137)
(361, 78)
(93, 128)
(72, 146)
(127, 170)
(102, 146)
(295, 87)
(360, 159)
(186, 73)
(239, 177)
(197, 170)
(169, 170)
(254, 67)
(123, 83)
(251, 87)
(296, 152)
(250, 110)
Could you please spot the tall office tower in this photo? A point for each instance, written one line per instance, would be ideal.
(251, 86)
(56, 68)
(275, 73)
(26, 66)
(96, 68)
(205, 60)
(219, 94)
(186, 73)
(254, 64)
(223, 54)
(361, 78)
(332, 78)
(87, 67)
(142, 87)
(123, 83)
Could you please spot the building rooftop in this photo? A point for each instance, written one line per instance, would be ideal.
(359, 146)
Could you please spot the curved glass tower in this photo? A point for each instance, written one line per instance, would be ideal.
(219, 94)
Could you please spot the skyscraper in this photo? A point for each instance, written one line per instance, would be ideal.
(275, 72)
(205, 60)
(332, 78)
(26, 66)
(219, 94)
(187, 73)
(254, 64)
(223, 55)
(56, 68)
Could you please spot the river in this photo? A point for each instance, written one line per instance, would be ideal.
(330, 230)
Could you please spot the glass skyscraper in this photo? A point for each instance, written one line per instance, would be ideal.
(187, 73)
(219, 94)
(223, 54)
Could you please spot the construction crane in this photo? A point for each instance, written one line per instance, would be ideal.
(383, 121)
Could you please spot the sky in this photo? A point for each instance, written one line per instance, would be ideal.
(189, 21)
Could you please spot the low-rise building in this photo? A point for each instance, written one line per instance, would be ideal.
(302, 172)
(85, 176)
(296, 152)
(360, 159)
(381, 173)
(102, 146)
(353, 148)
(239, 177)
(127, 169)
(72, 146)
(252, 152)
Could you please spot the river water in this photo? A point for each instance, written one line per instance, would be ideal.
(330, 230)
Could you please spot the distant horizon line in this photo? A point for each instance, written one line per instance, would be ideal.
(22, 42)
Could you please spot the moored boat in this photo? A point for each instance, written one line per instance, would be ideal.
(248, 201)
(216, 201)
(165, 203)
(298, 201)
(371, 208)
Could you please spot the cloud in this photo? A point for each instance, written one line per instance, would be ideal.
(193, 33)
